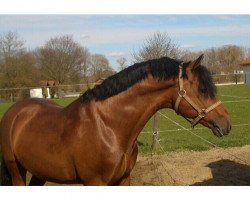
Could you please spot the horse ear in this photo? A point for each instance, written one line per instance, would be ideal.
(196, 62)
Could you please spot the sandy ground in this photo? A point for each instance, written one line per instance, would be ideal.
(213, 167)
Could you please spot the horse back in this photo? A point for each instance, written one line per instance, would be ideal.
(22, 112)
(20, 115)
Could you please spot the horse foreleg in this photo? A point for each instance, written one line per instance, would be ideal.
(124, 181)
(34, 181)
(95, 182)
(17, 172)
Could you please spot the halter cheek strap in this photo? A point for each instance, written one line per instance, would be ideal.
(182, 95)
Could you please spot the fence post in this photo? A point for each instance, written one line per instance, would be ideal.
(12, 95)
(156, 123)
(236, 79)
(59, 91)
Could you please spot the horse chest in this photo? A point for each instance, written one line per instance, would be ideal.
(126, 164)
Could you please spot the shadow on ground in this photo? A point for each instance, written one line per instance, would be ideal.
(227, 173)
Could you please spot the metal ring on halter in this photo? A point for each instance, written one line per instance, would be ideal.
(182, 93)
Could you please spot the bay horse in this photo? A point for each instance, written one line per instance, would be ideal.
(93, 141)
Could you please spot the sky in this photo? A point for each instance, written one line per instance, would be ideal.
(118, 36)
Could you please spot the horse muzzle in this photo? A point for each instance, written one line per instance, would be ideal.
(220, 126)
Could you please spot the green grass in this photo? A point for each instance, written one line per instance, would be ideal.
(183, 140)
(3, 108)
(65, 101)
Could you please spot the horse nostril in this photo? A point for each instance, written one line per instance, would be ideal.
(224, 126)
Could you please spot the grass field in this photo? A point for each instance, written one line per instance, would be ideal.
(236, 98)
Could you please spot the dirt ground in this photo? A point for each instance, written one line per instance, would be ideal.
(213, 167)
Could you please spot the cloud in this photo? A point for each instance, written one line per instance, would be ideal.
(116, 35)
(116, 54)
(226, 30)
(92, 30)
(187, 46)
(125, 35)
(85, 36)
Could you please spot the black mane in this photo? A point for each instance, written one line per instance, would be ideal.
(163, 69)
(206, 86)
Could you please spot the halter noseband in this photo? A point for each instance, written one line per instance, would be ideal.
(182, 95)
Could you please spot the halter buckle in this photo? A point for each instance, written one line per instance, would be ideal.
(203, 113)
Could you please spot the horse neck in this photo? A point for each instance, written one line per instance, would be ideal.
(129, 111)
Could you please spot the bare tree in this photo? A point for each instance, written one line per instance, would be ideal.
(210, 57)
(230, 57)
(187, 56)
(156, 46)
(10, 45)
(246, 52)
(224, 59)
(63, 60)
(16, 65)
(100, 67)
(122, 62)
(221, 59)
(18, 71)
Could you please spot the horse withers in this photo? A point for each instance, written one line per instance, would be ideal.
(93, 141)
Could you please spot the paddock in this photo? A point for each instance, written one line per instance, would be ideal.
(187, 159)
(197, 168)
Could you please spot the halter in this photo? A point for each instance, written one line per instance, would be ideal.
(182, 95)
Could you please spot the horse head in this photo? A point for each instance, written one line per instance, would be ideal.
(196, 98)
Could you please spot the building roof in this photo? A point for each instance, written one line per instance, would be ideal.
(47, 82)
(245, 62)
